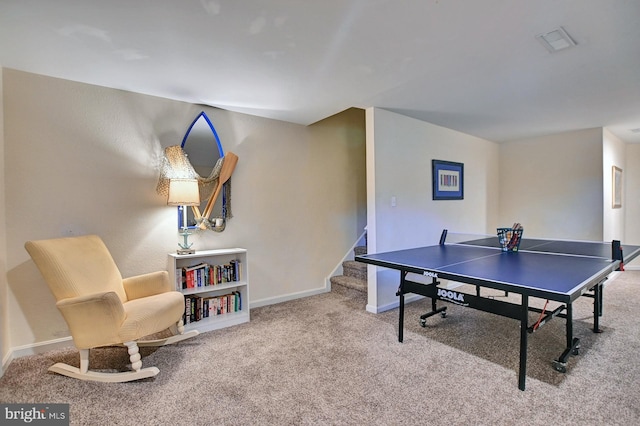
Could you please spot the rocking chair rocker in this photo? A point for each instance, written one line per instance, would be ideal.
(103, 309)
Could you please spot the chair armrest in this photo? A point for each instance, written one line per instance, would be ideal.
(147, 285)
(94, 320)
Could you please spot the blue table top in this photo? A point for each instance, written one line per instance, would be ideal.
(557, 270)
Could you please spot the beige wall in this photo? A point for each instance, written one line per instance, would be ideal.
(399, 154)
(4, 325)
(613, 154)
(631, 195)
(553, 185)
(85, 159)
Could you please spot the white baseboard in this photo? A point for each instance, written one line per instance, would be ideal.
(5, 362)
(378, 309)
(42, 347)
(35, 349)
(288, 297)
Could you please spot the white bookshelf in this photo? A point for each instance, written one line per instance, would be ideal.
(214, 257)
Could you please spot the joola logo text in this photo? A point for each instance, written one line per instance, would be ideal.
(430, 274)
(451, 296)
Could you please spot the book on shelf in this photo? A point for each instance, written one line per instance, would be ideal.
(236, 266)
(205, 275)
(180, 283)
(186, 319)
(238, 301)
(197, 307)
(195, 275)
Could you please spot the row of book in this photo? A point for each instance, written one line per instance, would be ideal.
(205, 274)
(198, 307)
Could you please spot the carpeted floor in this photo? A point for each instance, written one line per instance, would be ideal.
(324, 360)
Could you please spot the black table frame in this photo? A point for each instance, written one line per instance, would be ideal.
(503, 308)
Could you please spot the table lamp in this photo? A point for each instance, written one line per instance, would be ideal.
(184, 192)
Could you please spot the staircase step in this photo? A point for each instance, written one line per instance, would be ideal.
(351, 268)
(360, 250)
(354, 279)
(349, 283)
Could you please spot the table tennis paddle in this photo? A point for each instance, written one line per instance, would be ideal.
(515, 236)
(228, 166)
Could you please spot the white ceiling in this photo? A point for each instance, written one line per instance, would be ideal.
(469, 65)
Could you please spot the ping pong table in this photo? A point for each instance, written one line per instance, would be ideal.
(555, 270)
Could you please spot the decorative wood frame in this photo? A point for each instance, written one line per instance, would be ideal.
(448, 180)
(616, 187)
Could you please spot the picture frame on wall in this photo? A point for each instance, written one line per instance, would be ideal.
(616, 190)
(448, 180)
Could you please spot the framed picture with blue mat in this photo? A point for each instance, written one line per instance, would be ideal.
(448, 180)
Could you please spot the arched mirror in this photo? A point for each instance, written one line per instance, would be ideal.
(202, 146)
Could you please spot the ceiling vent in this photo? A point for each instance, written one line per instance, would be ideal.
(556, 40)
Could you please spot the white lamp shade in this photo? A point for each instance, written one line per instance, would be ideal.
(183, 192)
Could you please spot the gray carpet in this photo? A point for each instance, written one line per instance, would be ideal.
(324, 360)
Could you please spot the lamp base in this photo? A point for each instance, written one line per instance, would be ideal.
(185, 251)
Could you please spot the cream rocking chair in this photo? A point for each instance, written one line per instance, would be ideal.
(103, 309)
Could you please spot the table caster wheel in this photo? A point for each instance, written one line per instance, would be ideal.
(423, 323)
(576, 350)
(443, 314)
(560, 366)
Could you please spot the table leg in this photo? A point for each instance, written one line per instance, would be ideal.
(401, 307)
(600, 305)
(597, 307)
(569, 325)
(524, 324)
(573, 344)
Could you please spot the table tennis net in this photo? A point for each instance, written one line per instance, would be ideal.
(484, 240)
(569, 247)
